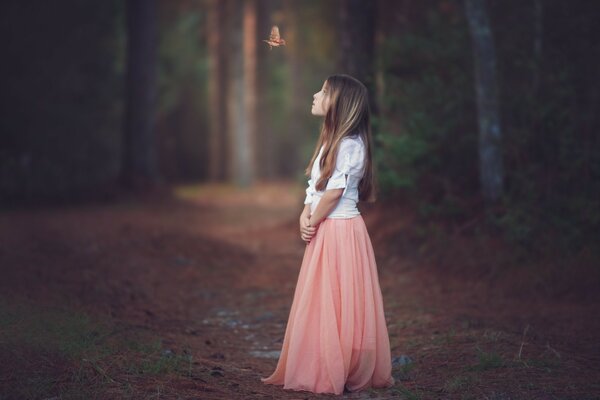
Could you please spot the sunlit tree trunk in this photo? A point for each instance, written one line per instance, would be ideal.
(490, 133)
(247, 147)
(139, 151)
(265, 153)
(242, 91)
(357, 43)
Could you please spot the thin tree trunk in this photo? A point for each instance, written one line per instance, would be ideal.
(241, 102)
(379, 40)
(490, 133)
(217, 89)
(139, 152)
(247, 146)
(537, 43)
(235, 89)
(265, 153)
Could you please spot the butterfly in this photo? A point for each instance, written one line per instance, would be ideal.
(275, 39)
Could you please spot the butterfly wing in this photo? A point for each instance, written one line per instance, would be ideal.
(274, 34)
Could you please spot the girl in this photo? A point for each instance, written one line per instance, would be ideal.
(336, 336)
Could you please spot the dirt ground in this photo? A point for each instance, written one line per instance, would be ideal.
(185, 295)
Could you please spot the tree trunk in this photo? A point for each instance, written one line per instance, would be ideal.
(300, 99)
(139, 152)
(247, 146)
(490, 133)
(265, 153)
(357, 44)
(241, 102)
(217, 90)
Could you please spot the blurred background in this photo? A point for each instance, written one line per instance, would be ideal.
(98, 95)
(152, 157)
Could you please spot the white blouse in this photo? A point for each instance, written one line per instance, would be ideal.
(349, 169)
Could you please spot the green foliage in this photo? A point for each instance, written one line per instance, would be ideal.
(405, 393)
(182, 60)
(423, 129)
(426, 134)
(397, 158)
(459, 383)
(89, 351)
(182, 109)
(552, 157)
(154, 359)
(487, 360)
(69, 334)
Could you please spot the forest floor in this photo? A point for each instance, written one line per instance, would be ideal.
(185, 294)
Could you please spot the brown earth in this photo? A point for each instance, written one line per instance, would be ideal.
(209, 271)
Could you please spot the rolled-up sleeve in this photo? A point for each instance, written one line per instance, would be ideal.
(310, 190)
(350, 158)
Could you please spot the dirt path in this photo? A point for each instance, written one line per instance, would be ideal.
(211, 272)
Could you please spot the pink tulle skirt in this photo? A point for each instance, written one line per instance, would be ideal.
(336, 333)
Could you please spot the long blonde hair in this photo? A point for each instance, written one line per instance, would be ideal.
(348, 114)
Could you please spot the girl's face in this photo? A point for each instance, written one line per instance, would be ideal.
(320, 101)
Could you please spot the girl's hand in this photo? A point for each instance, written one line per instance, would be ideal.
(306, 231)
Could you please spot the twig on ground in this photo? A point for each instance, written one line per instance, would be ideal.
(522, 343)
(99, 370)
(552, 350)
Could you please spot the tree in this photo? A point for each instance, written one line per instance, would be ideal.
(247, 146)
(241, 101)
(265, 134)
(490, 133)
(357, 43)
(217, 90)
(298, 91)
(139, 152)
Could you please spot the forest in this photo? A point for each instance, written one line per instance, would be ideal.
(152, 171)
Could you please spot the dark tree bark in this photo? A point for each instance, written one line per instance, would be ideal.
(217, 90)
(537, 43)
(490, 133)
(139, 151)
(300, 98)
(391, 21)
(357, 44)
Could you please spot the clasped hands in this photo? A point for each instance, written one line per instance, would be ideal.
(306, 230)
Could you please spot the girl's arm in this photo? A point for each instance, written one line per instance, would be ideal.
(306, 211)
(327, 203)
(306, 231)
